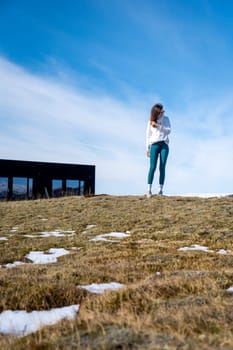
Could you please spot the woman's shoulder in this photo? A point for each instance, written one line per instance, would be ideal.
(166, 118)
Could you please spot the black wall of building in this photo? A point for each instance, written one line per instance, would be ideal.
(39, 177)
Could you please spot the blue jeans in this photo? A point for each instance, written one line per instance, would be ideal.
(159, 149)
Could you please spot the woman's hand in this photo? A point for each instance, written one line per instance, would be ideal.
(155, 124)
(148, 153)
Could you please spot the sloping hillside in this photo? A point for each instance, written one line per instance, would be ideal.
(172, 256)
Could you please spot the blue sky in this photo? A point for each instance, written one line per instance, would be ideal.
(78, 79)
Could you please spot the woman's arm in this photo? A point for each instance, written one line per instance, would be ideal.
(165, 127)
(148, 135)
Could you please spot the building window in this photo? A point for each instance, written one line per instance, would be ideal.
(57, 189)
(81, 187)
(20, 188)
(72, 187)
(29, 188)
(4, 188)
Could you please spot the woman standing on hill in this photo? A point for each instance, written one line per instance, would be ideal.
(158, 129)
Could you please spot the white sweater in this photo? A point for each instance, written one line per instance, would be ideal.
(160, 133)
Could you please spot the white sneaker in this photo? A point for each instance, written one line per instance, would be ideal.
(149, 194)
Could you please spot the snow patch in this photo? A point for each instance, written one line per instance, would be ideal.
(16, 263)
(206, 195)
(90, 226)
(21, 323)
(14, 229)
(223, 251)
(118, 235)
(38, 257)
(100, 288)
(196, 247)
(55, 233)
(203, 249)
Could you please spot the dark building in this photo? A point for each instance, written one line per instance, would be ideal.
(30, 180)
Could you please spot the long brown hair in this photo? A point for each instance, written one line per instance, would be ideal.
(155, 112)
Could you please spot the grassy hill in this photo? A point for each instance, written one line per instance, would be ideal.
(172, 299)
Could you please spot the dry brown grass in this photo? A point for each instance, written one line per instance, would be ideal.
(186, 306)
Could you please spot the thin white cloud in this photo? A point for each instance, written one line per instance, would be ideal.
(45, 119)
(201, 159)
